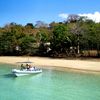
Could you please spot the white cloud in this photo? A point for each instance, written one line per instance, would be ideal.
(94, 16)
(63, 15)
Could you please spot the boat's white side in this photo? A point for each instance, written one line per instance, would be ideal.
(17, 72)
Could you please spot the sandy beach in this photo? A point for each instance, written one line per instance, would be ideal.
(83, 65)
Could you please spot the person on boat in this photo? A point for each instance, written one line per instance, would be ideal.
(31, 68)
(27, 66)
(34, 68)
(22, 67)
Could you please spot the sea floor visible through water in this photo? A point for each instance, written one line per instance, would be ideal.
(49, 85)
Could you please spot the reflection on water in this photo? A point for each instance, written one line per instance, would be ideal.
(9, 76)
(49, 85)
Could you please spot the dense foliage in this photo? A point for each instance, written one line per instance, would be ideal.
(74, 37)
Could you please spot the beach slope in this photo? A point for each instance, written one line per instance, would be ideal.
(89, 65)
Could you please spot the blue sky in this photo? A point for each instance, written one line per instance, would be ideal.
(30, 11)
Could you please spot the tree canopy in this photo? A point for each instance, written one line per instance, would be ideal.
(75, 35)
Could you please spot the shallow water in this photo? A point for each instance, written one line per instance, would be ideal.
(49, 85)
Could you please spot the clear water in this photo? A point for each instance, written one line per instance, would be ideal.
(49, 85)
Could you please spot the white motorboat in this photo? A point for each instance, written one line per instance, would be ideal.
(26, 70)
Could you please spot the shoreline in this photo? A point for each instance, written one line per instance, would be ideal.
(56, 64)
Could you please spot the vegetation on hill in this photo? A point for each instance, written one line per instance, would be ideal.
(77, 36)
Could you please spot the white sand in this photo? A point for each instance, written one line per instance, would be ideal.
(91, 65)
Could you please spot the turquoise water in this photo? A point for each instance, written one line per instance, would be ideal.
(49, 85)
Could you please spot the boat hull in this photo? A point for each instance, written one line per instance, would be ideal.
(17, 72)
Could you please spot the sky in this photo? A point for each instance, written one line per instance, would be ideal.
(30, 11)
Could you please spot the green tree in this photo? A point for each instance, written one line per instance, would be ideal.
(7, 43)
(26, 44)
(60, 40)
(30, 25)
(77, 29)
